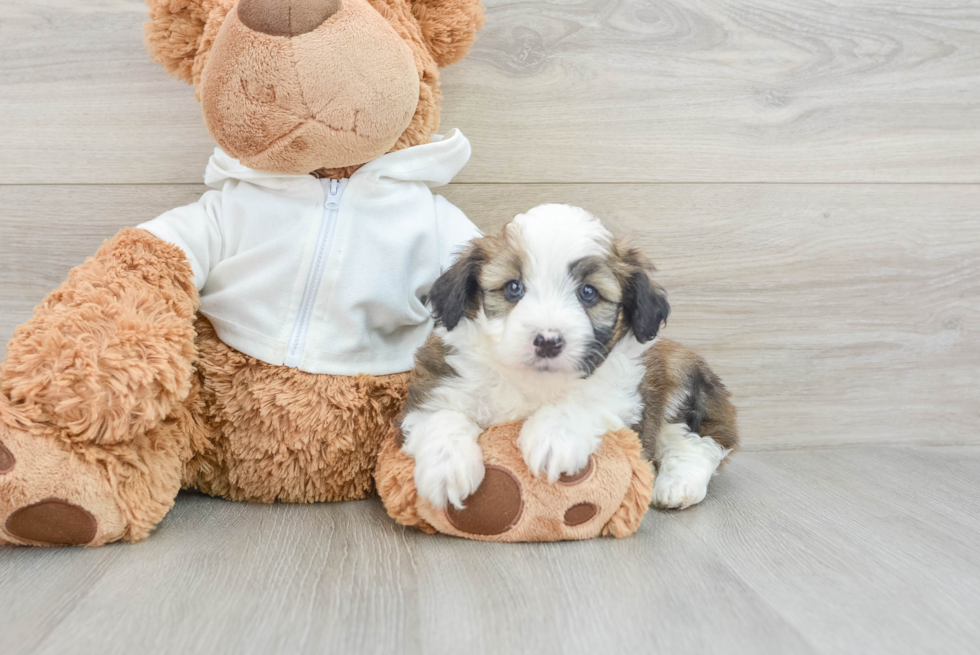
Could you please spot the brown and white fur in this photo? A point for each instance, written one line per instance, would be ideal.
(555, 322)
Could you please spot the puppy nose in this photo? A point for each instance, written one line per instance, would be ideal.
(548, 346)
(286, 17)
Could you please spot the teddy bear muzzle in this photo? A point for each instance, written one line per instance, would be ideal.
(286, 17)
(299, 85)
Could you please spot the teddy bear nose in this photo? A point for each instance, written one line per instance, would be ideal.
(286, 17)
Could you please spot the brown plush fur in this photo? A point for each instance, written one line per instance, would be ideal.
(448, 27)
(626, 520)
(114, 394)
(177, 36)
(619, 484)
(279, 434)
(393, 477)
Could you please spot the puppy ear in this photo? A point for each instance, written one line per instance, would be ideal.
(645, 305)
(457, 291)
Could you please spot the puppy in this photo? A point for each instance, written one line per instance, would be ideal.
(555, 322)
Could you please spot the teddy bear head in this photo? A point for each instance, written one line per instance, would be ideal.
(300, 86)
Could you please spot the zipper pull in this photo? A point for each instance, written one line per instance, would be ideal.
(333, 195)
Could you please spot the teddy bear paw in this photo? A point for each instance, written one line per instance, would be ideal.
(48, 497)
(498, 505)
(494, 508)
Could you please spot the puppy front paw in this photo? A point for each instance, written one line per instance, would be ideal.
(447, 471)
(555, 447)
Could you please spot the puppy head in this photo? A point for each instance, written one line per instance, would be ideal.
(552, 292)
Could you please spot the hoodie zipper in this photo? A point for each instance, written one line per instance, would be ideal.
(333, 190)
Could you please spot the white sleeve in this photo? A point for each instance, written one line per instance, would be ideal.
(194, 229)
(455, 231)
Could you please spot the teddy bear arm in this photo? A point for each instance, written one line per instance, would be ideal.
(109, 353)
(449, 27)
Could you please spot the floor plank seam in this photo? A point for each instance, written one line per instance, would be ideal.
(849, 446)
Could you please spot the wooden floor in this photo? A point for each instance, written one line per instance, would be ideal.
(861, 550)
(805, 174)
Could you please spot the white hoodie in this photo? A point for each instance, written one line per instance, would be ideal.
(327, 276)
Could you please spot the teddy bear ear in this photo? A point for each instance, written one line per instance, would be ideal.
(175, 35)
(448, 27)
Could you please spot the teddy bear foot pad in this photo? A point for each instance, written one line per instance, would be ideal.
(49, 497)
(53, 522)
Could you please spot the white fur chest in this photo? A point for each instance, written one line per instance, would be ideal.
(491, 394)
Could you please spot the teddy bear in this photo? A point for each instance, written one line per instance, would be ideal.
(253, 345)
(256, 344)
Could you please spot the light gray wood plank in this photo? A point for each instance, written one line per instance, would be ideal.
(837, 314)
(625, 91)
(891, 509)
(828, 551)
(82, 102)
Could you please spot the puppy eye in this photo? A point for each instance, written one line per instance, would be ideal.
(588, 294)
(513, 291)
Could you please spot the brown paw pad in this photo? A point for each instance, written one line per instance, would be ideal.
(494, 508)
(580, 513)
(53, 522)
(575, 478)
(7, 460)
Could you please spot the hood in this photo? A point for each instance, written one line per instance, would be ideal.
(435, 164)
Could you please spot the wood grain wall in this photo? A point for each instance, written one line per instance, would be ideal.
(805, 174)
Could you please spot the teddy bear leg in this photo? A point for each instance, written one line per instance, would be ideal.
(94, 399)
